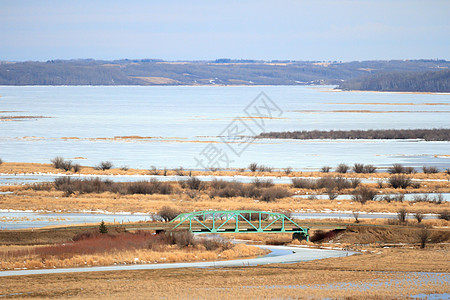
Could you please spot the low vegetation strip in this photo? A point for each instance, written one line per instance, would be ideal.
(434, 81)
(101, 249)
(435, 134)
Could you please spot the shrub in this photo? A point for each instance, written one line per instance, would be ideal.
(168, 213)
(325, 169)
(358, 168)
(438, 199)
(76, 168)
(401, 215)
(364, 194)
(287, 170)
(369, 169)
(423, 236)
(253, 167)
(182, 238)
(260, 183)
(398, 198)
(400, 181)
(396, 169)
(179, 171)
(342, 168)
(192, 183)
(380, 183)
(445, 215)
(124, 168)
(447, 171)
(409, 170)
(264, 169)
(102, 228)
(332, 194)
(147, 187)
(58, 162)
(341, 183)
(356, 216)
(67, 165)
(271, 194)
(153, 171)
(303, 183)
(355, 182)
(1, 161)
(104, 165)
(419, 216)
(430, 170)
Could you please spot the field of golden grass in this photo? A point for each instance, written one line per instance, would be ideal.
(58, 201)
(33, 168)
(169, 254)
(388, 273)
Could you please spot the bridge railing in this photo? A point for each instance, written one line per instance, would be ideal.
(239, 220)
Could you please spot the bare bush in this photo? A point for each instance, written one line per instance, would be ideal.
(364, 194)
(394, 198)
(419, 216)
(370, 169)
(355, 182)
(179, 171)
(124, 168)
(400, 181)
(97, 185)
(332, 194)
(430, 170)
(104, 165)
(1, 161)
(409, 170)
(192, 183)
(253, 167)
(325, 169)
(342, 168)
(423, 235)
(358, 168)
(273, 193)
(58, 162)
(182, 238)
(401, 215)
(288, 170)
(396, 169)
(168, 213)
(262, 168)
(153, 170)
(444, 215)
(76, 168)
(356, 216)
(261, 183)
(380, 183)
(303, 183)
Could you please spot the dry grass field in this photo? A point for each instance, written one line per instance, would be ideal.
(383, 274)
(206, 197)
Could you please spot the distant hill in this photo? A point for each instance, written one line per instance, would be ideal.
(219, 72)
(437, 81)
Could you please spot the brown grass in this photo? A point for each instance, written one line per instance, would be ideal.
(270, 281)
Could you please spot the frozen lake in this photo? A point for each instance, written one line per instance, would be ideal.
(140, 126)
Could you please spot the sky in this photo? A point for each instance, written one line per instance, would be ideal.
(335, 30)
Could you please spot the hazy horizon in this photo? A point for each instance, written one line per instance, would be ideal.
(341, 30)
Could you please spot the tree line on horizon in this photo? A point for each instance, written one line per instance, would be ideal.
(221, 71)
(434, 81)
(435, 134)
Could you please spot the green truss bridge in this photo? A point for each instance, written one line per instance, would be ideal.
(238, 221)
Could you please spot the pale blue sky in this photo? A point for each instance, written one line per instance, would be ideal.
(196, 30)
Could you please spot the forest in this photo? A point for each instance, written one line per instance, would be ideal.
(435, 134)
(218, 72)
(434, 81)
